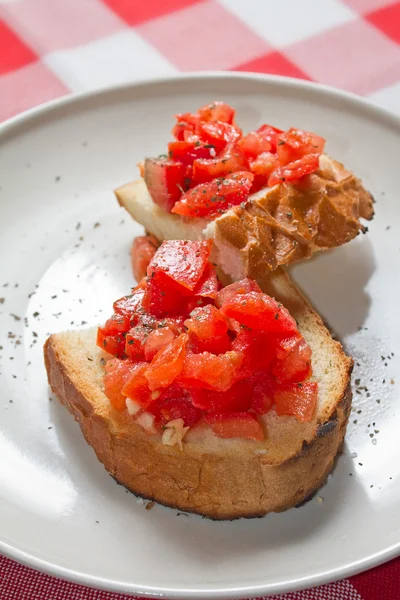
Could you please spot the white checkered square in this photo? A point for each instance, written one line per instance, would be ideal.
(388, 97)
(284, 22)
(122, 57)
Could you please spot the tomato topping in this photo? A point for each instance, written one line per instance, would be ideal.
(262, 167)
(167, 363)
(209, 371)
(253, 144)
(186, 349)
(187, 152)
(208, 330)
(297, 399)
(186, 124)
(181, 261)
(259, 312)
(156, 340)
(142, 251)
(217, 111)
(227, 162)
(236, 424)
(209, 199)
(118, 373)
(294, 144)
(166, 180)
(295, 170)
(136, 386)
(219, 134)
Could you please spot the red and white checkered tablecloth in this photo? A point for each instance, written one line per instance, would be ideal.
(49, 48)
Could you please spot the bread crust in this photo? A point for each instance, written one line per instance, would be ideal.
(220, 479)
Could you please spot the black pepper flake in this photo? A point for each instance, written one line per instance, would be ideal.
(96, 225)
(357, 381)
(50, 427)
(16, 317)
(57, 178)
(360, 464)
(2, 300)
(90, 359)
(36, 314)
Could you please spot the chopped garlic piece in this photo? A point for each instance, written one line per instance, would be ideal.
(146, 420)
(132, 406)
(174, 433)
(155, 394)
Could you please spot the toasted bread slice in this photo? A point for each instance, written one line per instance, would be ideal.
(277, 226)
(218, 478)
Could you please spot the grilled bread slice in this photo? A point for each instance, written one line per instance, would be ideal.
(277, 226)
(218, 478)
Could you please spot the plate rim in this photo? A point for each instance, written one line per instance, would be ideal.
(46, 109)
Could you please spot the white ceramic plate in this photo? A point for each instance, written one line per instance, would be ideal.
(64, 246)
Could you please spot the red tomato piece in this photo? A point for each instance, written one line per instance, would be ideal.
(257, 349)
(167, 364)
(142, 251)
(262, 397)
(128, 305)
(134, 342)
(253, 144)
(238, 287)
(209, 371)
(113, 344)
(294, 170)
(217, 111)
(180, 407)
(219, 134)
(260, 312)
(294, 144)
(208, 330)
(166, 179)
(136, 386)
(236, 425)
(118, 373)
(162, 297)
(187, 152)
(156, 340)
(297, 399)
(262, 167)
(229, 161)
(116, 324)
(208, 285)
(296, 366)
(186, 123)
(209, 199)
(270, 134)
(236, 399)
(182, 261)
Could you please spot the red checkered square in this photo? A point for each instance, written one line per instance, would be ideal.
(27, 87)
(49, 25)
(204, 36)
(363, 7)
(356, 57)
(14, 53)
(274, 63)
(387, 20)
(144, 10)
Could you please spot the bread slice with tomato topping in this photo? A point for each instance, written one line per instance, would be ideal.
(218, 477)
(268, 198)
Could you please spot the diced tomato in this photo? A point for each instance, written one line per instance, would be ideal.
(236, 425)
(208, 285)
(181, 261)
(166, 179)
(262, 167)
(117, 324)
(257, 349)
(253, 144)
(227, 162)
(209, 199)
(216, 111)
(262, 397)
(118, 373)
(294, 144)
(113, 344)
(295, 170)
(270, 134)
(210, 371)
(208, 330)
(260, 312)
(236, 399)
(238, 287)
(219, 134)
(128, 305)
(142, 251)
(167, 364)
(297, 399)
(162, 297)
(187, 152)
(186, 123)
(180, 407)
(136, 386)
(296, 365)
(134, 342)
(156, 340)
